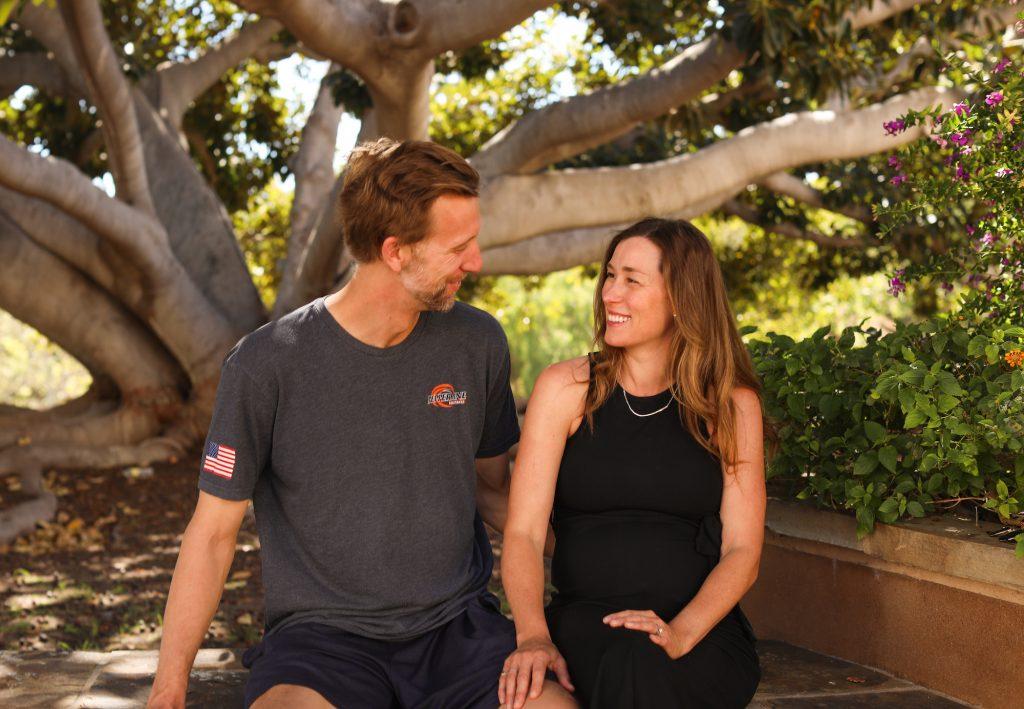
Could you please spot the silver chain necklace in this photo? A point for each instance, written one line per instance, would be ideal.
(624, 396)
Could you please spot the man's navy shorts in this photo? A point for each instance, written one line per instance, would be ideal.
(454, 666)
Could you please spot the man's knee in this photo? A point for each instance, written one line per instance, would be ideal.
(292, 696)
(554, 696)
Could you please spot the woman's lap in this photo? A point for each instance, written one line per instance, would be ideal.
(618, 667)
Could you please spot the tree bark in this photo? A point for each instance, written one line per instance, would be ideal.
(517, 207)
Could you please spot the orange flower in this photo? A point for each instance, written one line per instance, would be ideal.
(1014, 358)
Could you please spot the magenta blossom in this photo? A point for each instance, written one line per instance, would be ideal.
(1004, 172)
(962, 109)
(895, 127)
(894, 162)
(989, 238)
(994, 98)
(963, 138)
(898, 179)
(896, 284)
(962, 173)
(998, 69)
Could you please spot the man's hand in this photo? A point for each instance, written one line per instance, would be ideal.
(522, 675)
(171, 698)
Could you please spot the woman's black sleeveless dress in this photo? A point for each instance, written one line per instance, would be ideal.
(637, 527)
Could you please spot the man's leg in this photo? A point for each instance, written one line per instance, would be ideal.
(292, 696)
(458, 664)
(315, 665)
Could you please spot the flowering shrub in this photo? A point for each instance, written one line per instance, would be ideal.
(930, 416)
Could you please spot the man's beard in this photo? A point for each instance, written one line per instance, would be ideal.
(434, 298)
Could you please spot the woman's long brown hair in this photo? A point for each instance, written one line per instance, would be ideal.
(707, 360)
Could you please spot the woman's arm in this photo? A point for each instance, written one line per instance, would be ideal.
(742, 513)
(555, 405)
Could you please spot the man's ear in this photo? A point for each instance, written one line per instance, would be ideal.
(393, 254)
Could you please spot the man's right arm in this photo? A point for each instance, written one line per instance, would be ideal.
(207, 548)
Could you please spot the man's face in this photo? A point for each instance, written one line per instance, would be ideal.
(450, 251)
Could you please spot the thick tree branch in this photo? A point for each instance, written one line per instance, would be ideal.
(342, 30)
(880, 11)
(458, 24)
(792, 186)
(46, 26)
(576, 124)
(179, 309)
(78, 246)
(561, 250)
(750, 215)
(569, 127)
(517, 207)
(313, 168)
(33, 69)
(113, 96)
(180, 83)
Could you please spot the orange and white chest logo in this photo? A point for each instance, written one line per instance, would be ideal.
(444, 396)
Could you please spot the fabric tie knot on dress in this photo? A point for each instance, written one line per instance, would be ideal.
(709, 536)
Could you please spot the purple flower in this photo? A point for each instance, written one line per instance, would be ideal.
(994, 98)
(989, 238)
(962, 109)
(895, 127)
(898, 179)
(939, 140)
(948, 287)
(962, 138)
(894, 162)
(962, 173)
(1004, 172)
(998, 69)
(896, 284)
(970, 230)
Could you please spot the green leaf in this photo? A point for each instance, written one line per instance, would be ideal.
(874, 431)
(887, 456)
(1002, 490)
(947, 402)
(1019, 551)
(916, 417)
(866, 462)
(6, 6)
(915, 509)
(992, 353)
(939, 343)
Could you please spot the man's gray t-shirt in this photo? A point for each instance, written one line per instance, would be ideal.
(359, 461)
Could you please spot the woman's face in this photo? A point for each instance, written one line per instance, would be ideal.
(635, 297)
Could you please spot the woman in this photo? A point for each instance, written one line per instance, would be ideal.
(651, 453)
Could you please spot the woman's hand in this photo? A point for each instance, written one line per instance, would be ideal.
(522, 675)
(674, 642)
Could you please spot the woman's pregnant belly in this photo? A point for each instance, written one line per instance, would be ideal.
(609, 555)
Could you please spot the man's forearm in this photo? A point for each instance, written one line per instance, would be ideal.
(195, 592)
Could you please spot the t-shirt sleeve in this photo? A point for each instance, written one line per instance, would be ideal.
(238, 443)
(501, 425)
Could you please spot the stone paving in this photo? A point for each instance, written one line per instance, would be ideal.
(792, 677)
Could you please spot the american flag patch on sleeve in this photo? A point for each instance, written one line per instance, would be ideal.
(219, 460)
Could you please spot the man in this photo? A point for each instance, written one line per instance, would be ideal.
(368, 428)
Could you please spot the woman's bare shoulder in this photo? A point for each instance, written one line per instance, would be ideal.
(563, 383)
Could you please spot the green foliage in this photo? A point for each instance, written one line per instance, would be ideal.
(978, 148)
(34, 372)
(546, 318)
(240, 133)
(262, 228)
(911, 422)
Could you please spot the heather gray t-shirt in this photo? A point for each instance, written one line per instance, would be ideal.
(359, 461)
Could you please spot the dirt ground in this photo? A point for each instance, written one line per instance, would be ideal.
(96, 578)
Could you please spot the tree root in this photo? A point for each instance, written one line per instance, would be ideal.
(126, 424)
